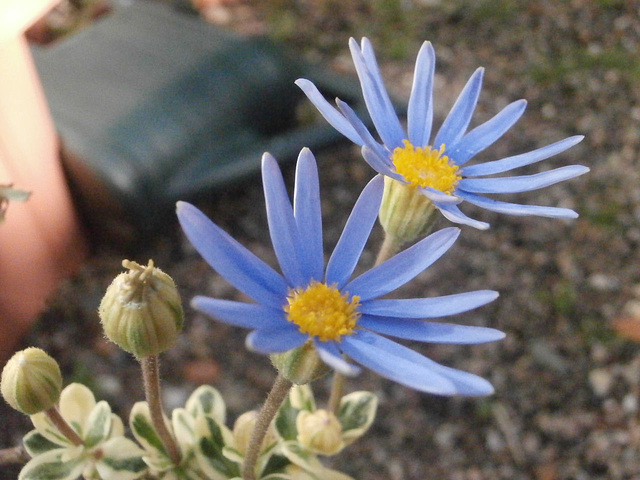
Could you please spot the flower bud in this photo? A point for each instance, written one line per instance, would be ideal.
(300, 365)
(141, 311)
(243, 428)
(319, 431)
(405, 214)
(31, 381)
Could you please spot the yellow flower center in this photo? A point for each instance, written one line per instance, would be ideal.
(321, 310)
(426, 167)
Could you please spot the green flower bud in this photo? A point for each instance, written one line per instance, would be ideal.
(31, 381)
(320, 432)
(300, 365)
(405, 214)
(142, 311)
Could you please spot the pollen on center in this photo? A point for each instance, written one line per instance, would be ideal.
(322, 311)
(426, 167)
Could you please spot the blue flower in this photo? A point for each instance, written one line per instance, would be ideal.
(438, 169)
(324, 306)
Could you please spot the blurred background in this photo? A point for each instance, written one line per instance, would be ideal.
(567, 375)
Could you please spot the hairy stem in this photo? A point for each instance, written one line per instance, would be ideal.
(151, 377)
(63, 427)
(274, 400)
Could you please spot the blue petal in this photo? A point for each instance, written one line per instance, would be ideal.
(420, 112)
(429, 307)
(282, 226)
(523, 183)
(375, 94)
(403, 267)
(275, 340)
(369, 142)
(484, 135)
(509, 163)
(453, 213)
(437, 196)
(372, 351)
(329, 354)
(517, 209)
(381, 164)
(422, 331)
(236, 264)
(329, 112)
(308, 216)
(460, 115)
(355, 234)
(410, 368)
(240, 314)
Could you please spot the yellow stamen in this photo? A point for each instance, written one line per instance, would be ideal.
(321, 310)
(426, 167)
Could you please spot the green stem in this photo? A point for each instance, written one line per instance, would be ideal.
(390, 246)
(274, 400)
(63, 427)
(151, 377)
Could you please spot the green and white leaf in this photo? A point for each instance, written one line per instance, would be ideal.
(117, 427)
(207, 400)
(45, 428)
(212, 437)
(97, 425)
(36, 444)
(278, 476)
(300, 456)
(122, 460)
(50, 466)
(76, 404)
(184, 430)
(142, 427)
(285, 421)
(301, 397)
(356, 414)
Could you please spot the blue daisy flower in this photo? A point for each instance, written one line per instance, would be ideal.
(438, 169)
(324, 306)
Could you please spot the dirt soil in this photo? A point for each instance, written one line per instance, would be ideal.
(567, 385)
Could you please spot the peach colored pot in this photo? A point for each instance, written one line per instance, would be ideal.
(40, 240)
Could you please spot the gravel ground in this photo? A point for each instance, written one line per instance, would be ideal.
(567, 386)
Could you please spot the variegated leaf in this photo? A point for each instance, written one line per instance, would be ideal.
(285, 421)
(76, 404)
(207, 400)
(300, 456)
(50, 466)
(301, 397)
(45, 428)
(212, 437)
(97, 425)
(36, 444)
(183, 429)
(122, 460)
(142, 428)
(356, 413)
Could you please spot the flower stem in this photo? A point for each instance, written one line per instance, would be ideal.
(14, 455)
(151, 377)
(337, 389)
(274, 400)
(63, 427)
(390, 246)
